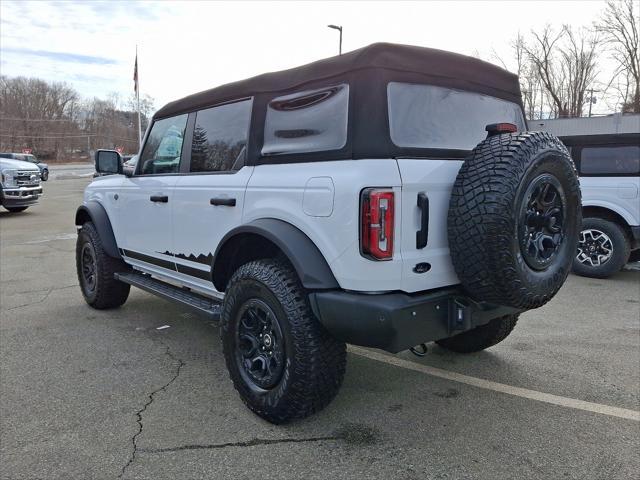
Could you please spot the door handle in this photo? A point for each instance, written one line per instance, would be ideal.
(159, 198)
(225, 202)
(422, 235)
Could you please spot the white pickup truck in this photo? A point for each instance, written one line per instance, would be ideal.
(20, 184)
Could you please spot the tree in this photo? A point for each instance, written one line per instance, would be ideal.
(565, 64)
(37, 114)
(619, 27)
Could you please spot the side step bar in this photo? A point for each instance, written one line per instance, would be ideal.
(201, 304)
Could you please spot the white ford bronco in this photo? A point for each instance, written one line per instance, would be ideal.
(387, 197)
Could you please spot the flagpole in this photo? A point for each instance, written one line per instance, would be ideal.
(138, 101)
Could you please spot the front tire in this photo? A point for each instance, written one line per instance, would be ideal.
(45, 175)
(481, 337)
(603, 249)
(95, 271)
(281, 360)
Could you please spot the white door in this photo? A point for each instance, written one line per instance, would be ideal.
(147, 199)
(208, 202)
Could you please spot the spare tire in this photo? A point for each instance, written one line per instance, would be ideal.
(514, 219)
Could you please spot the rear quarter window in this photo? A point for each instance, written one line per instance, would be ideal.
(308, 121)
(610, 160)
(427, 116)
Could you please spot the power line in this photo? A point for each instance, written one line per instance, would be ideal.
(35, 120)
(70, 136)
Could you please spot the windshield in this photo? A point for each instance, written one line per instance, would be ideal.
(426, 116)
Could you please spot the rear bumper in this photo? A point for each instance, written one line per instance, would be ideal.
(21, 196)
(397, 321)
(635, 237)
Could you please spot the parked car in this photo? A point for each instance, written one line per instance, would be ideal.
(28, 157)
(20, 182)
(387, 197)
(606, 151)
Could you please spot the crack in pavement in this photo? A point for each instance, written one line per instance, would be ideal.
(150, 398)
(250, 443)
(46, 295)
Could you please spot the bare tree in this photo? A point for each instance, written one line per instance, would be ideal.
(51, 119)
(565, 64)
(619, 27)
(579, 67)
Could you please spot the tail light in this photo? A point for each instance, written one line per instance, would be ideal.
(377, 223)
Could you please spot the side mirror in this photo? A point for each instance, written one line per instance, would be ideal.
(108, 162)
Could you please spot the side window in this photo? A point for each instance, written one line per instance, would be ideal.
(161, 153)
(309, 121)
(610, 160)
(220, 137)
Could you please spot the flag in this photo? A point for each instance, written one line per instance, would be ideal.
(135, 75)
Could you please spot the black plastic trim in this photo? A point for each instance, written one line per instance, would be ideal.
(306, 258)
(100, 219)
(159, 262)
(193, 272)
(635, 234)
(422, 235)
(398, 321)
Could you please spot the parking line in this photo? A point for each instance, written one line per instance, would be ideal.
(498, 387)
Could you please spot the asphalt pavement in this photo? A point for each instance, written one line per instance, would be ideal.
(87, 394)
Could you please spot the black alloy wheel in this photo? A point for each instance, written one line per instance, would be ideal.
(542, 219)
(89, 268)
(261, 351)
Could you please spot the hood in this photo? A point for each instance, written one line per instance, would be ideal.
(17, 164)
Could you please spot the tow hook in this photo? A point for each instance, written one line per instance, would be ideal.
(419, 350)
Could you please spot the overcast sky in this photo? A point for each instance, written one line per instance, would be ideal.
(185, 47)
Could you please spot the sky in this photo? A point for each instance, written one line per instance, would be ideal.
(185, 47)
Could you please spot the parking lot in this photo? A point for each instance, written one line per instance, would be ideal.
(107, 394)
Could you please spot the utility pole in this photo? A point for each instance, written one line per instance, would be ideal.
(339, 28)
(592, 99)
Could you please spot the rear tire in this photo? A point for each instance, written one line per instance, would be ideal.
(634, 256)
(16, 209)
(299, 370)
(95, 271)
(481, 337)
(603, 249)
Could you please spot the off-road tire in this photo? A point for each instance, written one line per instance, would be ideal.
(485, 218)
(481, 337)
(16, 209)
(619, 256)
(315, 361)
(108, 292)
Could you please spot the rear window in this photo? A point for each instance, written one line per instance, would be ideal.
(426, 116)
(610, 160)
(308, 121)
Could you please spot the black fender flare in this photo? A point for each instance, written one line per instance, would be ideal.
(98, 216)
(305, 257)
